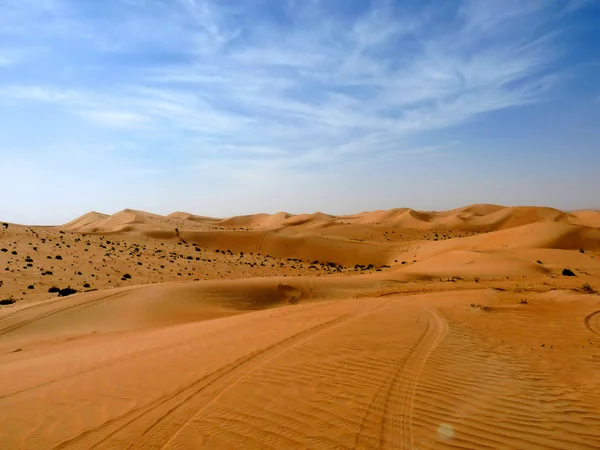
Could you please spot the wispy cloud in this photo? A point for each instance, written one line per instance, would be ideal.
(385, 70)
(292, 84)
(40, 93)
(119, 119)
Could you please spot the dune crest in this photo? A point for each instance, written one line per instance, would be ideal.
(478, 217)
(477, 327)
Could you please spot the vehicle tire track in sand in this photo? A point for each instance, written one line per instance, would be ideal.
(304, 337)
(588, 322)
(62, 300)
(437, 329)
(130, 357)
(388, 421)
(140, 427)
(15, 326)
(260, 242)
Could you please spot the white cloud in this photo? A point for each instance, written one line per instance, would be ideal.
(324, 85)
(40, 93)
(443, 82)
(117, 119)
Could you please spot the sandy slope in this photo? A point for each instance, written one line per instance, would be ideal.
(416, 371)
(471, 338)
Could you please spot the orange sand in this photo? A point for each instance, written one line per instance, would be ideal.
(396, 329)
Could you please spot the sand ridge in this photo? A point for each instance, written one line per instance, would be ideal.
(396, 329)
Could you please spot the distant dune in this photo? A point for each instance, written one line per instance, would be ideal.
(478, 218)
(477, 327)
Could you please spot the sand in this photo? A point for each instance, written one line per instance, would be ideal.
(396, 329)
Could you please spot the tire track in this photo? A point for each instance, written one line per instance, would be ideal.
(372, 427)
(297, 342)
(15, 326)
(41, 304)
(62, 300)
(437, 328)
(116, 361)
(391, 408)
(30, 307)
(508, 400)
(261, 240)
(588, 322)
(145, 427)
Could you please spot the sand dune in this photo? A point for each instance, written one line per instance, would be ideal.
(87, 220)
(385, 329)
(462, 263)
(192, 217)
(121, 221)
(538, 235)
(586, 218)
(424, 371)
(256, 220)
(470, 218)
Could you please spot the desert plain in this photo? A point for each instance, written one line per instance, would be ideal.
(475, 328)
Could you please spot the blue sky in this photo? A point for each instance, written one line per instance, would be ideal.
(235, 107)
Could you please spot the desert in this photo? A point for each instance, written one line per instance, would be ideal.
(299, 224)
(477, 327)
